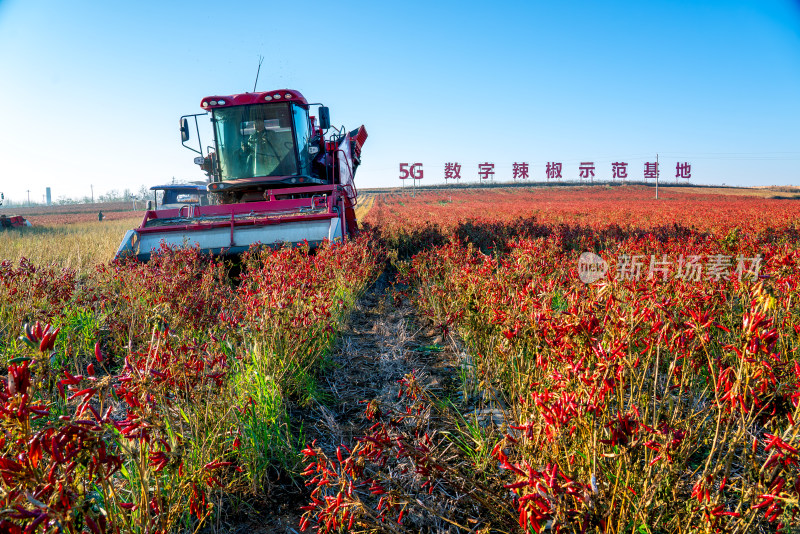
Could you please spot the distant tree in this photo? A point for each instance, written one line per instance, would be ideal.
(111, 196)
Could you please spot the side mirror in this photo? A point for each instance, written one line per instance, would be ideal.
(324, 117)
(184, 130)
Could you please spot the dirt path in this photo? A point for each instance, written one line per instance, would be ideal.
(379, 345)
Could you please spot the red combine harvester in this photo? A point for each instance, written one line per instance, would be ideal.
(11, 221)
(273, 178)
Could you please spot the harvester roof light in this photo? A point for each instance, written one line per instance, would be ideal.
(221, 102)
(267, 97)
(205, 104)
(213, 102)
(288, 95)
(277, 96)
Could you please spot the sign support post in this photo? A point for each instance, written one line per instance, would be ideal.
(658, 171)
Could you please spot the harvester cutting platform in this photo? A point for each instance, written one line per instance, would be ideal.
(11, 221)
(273, 175)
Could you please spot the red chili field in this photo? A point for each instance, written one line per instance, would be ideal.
(75, 213)
(553, 359)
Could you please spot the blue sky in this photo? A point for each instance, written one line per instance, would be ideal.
(92, 90)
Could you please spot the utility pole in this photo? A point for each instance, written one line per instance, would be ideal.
(91, 186)
(29, 196)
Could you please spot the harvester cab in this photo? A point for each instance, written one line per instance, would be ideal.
(275, 175)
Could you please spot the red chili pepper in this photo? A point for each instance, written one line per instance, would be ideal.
(216, 465)
(36, 522)
(45, 342)
(86, 391)
(91, 524)
(766, 501)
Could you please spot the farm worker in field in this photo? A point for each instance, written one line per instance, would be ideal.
(100, 216)
(4, 222)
